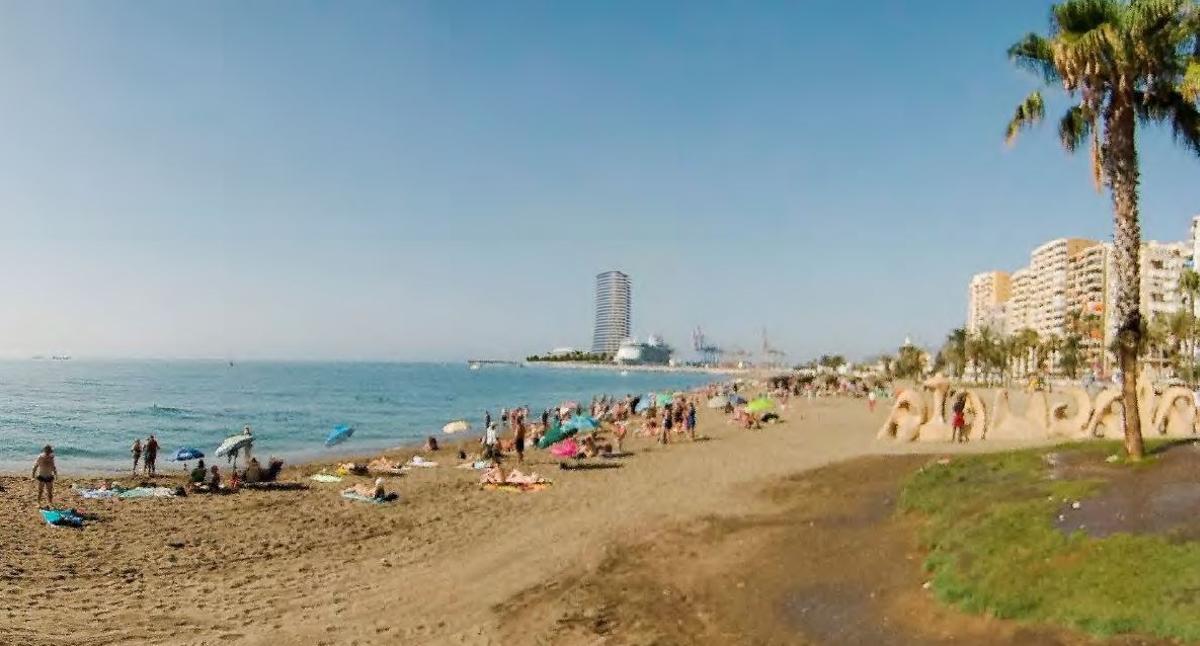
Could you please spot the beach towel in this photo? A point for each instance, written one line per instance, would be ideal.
(147, 492)
(62, 517)
(357, 497)
(478, 465)
(324, 477)
(418, 461)
(97, 494)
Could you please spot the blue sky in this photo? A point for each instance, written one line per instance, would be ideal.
(431, 180)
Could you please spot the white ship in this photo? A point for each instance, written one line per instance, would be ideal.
(654, 352)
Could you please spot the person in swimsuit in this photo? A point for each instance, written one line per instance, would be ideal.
(520, 439)
(136, 450)
(689, 422)
(44, 471)
(151, 455)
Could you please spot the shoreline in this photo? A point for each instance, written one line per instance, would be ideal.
(584, 365)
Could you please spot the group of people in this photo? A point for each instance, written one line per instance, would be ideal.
(150, 451)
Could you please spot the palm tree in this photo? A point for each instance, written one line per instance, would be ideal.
(954, 352)
(1189, 288)
(1122, 62)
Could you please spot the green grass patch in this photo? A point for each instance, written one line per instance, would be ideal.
(993, 548)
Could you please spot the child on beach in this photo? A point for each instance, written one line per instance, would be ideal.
(959, 425)
(871, 401)
(44, 471)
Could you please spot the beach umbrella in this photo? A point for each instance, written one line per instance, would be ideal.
(720, 401)
(457, 426)
(186, 454)
(665, 399)
(762, 404)
(338, 435)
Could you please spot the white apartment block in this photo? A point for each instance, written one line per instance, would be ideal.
(1050, 264)
(1017, 313)
(1162, 264)
(987, 295)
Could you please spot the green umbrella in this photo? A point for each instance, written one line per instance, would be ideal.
(762, 404)
(664, 399)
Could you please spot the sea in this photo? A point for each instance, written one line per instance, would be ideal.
(91, 411)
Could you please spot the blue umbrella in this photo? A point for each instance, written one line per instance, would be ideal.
(338, 435)
(188, 453)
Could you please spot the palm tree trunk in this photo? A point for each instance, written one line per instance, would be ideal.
(1121, 164)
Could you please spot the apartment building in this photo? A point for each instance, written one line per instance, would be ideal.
(1088, 278)
(1050, 265)
(1017, 312)
(987, 295)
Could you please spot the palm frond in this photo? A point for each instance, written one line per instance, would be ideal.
(1034, 53)
(1029, 112)
(1190, 86)
(1075, 127)
(1081, 16)
(1176, 110)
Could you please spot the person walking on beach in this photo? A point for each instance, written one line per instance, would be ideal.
(689, 422)
(871, 400)
(151, 455)
(136, 450)
(44, 471)
(667, 424)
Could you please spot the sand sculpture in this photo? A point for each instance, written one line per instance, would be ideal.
(1074, 426)
(1176, 414)
(905, 418)
(1007, 425)
(913, 417)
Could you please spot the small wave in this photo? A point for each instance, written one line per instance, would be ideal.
(77, 452)
(171, 411)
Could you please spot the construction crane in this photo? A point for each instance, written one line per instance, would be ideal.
(771, 355)
(709, 353)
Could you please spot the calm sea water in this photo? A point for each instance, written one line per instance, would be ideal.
(91, 411)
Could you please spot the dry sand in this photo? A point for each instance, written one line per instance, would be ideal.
(449, 563)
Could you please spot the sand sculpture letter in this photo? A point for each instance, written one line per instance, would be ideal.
(905, 418)
(1176, 413)
(1075, 426)
(1008, 426)
(936, 428)
(1108, 415)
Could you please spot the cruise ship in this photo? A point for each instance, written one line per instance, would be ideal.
(654, 352)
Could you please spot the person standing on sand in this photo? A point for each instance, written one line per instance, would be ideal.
(871, 400)
(151, 455)
(689, 422)
(667, 423)
(520, 439)
(44, 471)
(136, 450)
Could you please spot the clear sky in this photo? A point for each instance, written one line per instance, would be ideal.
(433, 180)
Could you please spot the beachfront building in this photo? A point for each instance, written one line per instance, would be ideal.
(1088, 284)
(1017, 310)
(985, 300)
(613, 305)
(1069, 288)
(1162, 265)
(1050, 264)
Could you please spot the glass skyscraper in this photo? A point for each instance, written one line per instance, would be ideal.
(612, 311)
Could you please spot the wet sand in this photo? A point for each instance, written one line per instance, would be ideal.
(449, 563)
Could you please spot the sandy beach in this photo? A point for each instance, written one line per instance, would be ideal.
(448, 563)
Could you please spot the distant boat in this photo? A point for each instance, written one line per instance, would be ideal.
(60, 357)
(624, 373)
(474, 366)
